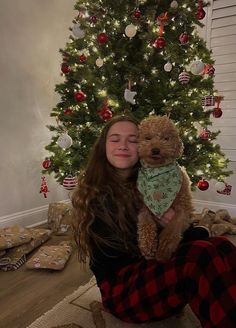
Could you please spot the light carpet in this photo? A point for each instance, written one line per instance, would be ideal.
(83, 309)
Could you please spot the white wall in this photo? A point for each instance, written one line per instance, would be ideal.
(211, 198)
(31, 33)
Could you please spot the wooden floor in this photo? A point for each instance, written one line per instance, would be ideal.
(26, 294)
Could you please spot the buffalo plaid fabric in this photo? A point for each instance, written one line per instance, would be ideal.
(201, 273)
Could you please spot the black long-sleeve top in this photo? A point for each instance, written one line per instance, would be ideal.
(107, 260)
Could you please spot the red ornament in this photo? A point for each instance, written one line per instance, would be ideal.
(205, 134)
(203, 185)
(137, 13)
(65, 68)
(82, 58)
(226, 190)
(46, 163)
(93, 19)
(184, 38)
(80, 96)
(209, 69)
(105, 113)
(102, 38)
(159, 43)
(217, 112)
(68, 111)
(201, 13)
(70, 182)
(44, 188)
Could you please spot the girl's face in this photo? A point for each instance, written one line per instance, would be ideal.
(121, 146)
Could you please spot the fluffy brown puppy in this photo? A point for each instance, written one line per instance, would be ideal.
(165, 187)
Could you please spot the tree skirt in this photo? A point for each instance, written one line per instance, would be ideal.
(83, 309)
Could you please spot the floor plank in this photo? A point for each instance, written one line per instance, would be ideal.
(27, 294)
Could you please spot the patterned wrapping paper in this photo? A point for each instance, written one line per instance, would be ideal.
(52, 257)
(15, 257)
(14, 236)
(59, 217)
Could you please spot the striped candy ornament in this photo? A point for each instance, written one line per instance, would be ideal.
(208, 101)
(184, 77)
(70, 182)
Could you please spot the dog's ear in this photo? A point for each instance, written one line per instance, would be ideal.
(179, 147)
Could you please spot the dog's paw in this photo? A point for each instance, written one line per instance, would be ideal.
(166, 248)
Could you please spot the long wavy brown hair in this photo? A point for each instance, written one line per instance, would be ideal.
(100, 193)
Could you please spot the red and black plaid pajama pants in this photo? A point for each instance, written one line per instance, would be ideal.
(201, 274)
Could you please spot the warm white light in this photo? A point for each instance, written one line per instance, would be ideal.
(199, 172)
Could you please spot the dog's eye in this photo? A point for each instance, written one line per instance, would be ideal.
(166, 138)
(148, 138)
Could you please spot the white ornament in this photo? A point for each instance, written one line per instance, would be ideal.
(168, 67)
(130, 30)
(174, 4)
(129, 96)
(64, 141)
(197, 67)
(220, 186)
(99, 62)
(78, 32)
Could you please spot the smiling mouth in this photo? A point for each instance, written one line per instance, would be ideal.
(122, 155)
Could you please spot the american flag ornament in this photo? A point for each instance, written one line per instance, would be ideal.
(208, 101)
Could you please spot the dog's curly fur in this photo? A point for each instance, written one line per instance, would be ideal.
(159, 144)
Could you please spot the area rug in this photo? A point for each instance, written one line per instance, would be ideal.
(83, 309)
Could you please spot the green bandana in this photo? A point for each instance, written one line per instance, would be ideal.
(159, 186)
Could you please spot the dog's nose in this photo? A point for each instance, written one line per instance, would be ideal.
(155, 151)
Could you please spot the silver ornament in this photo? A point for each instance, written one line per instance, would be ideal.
(130, 30)
(64, 141)
(78, 32)
(99, 62)
(168, 67)
(174, 4)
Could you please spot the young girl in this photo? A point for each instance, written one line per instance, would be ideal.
(202, 273)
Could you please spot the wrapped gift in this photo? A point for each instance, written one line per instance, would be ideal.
(16, 256)
(60, 217)
(52, 257)
(13, 236)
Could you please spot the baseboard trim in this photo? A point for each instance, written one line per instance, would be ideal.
(28, 218)
(200, 204)
(38, 215)
(25, 218)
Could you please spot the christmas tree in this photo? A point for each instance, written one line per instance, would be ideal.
(140, 58)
